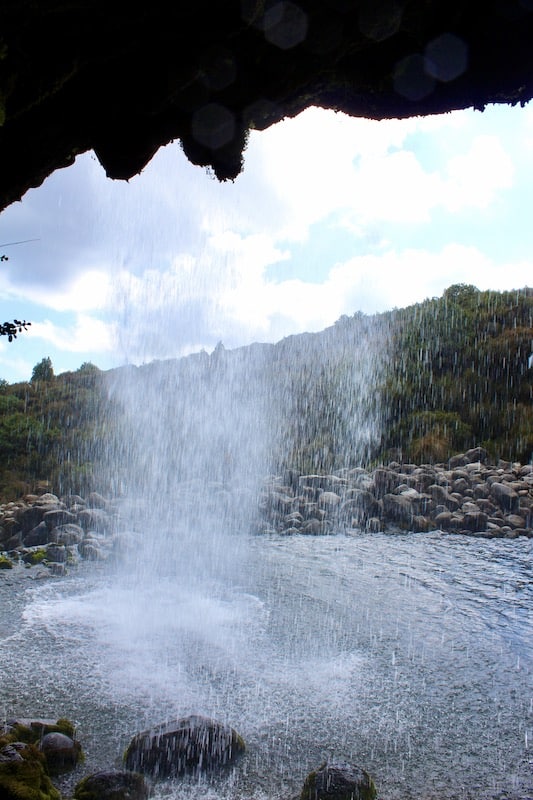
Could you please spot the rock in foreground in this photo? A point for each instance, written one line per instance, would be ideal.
(338, 781)
(112, 785)
(193, 744)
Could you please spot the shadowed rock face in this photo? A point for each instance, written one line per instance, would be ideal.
(123, 79)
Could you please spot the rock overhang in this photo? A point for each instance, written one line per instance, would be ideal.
(124, 80)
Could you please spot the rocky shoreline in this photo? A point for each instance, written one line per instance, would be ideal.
(56, 532)
(468, 495)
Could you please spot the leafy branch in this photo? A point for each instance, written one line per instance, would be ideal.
(10, 329)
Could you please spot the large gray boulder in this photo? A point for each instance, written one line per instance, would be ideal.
(194, 744)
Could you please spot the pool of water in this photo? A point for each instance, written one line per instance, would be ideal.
(409, 655)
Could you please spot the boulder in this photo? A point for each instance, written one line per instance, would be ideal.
(295, 519)
(475, 521)
(440, 495)
(460, 485)
(37, 536)
(30, 517)
(515, 521)
(58, 516)
(374, 525)
(73, 500)
(94, 519)
(96, 500)
(34, 555)
(338, 781)
(61, 752)
(312, 481)
(457, 461)
(477, 454)
(328, 500)
(422, 524)
(313, 527)
(57, 553)
(10, 527)
(89, 550)
(398, 509)
(112, 785)
(48, 499)
(194, 744)
(385, 481)
(506, 497)
(67, 534)
(443, 520)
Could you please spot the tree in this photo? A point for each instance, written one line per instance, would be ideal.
(43, 371)
(88, 368)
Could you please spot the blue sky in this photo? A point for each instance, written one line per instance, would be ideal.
(331, 215)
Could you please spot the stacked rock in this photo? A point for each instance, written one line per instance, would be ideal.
(467, 495)
(56, 531)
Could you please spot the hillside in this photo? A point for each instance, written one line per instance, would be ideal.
(416, 385)
(51, 432)
(460, 375)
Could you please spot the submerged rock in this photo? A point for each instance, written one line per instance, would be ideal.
(112, 785)
(338, 781)
(193, 744)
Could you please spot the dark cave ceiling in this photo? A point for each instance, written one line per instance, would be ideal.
(123, 80)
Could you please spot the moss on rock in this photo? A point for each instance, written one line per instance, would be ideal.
(34, 557)
(113, 785)
(23, 774)
(31, 731)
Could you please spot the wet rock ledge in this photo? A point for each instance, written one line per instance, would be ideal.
(465, 496)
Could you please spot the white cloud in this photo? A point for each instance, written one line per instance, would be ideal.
(368, 283)
(87, 334)
(14, 365)
(322, 164)
(475, 177)
(236, 302)
(88, 292)
(182, 261)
